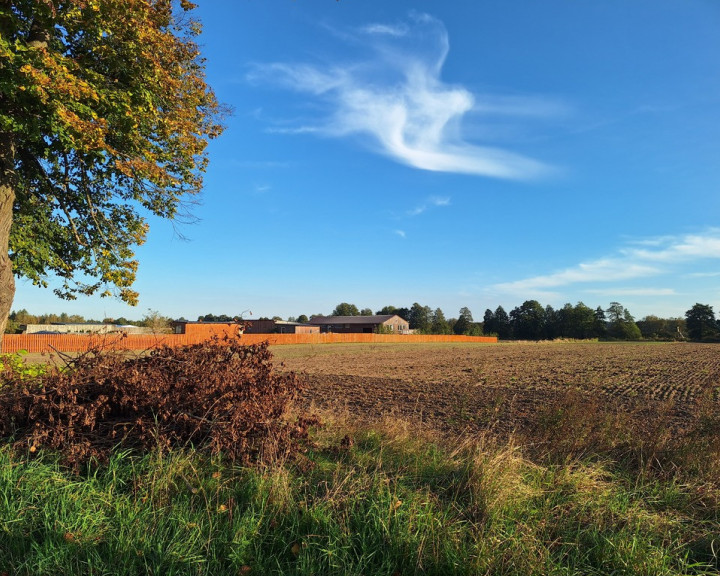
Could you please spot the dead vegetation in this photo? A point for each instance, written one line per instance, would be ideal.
(220, 397)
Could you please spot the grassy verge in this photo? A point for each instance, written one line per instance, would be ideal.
(373, 501)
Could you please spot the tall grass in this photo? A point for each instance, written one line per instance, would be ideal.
(376, 500)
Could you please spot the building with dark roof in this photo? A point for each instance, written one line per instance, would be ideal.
(259, 326)
(388, 323)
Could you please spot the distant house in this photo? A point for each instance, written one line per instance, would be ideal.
(391, 323)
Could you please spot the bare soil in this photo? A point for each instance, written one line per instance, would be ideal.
(463, 388)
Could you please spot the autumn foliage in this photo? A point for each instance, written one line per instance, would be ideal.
(219, 396)
(105, 116)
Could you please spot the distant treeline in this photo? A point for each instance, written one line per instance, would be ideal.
(530, 321)
(533, 321)
(17, 318)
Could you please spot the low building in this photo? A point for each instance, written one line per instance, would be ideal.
(266, 326)
(283, 327)
(260, 326)
(60, 328)
(383, 323)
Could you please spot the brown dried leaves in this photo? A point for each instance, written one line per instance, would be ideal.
(219, 396)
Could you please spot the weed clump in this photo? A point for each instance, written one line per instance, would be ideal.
(219, 396)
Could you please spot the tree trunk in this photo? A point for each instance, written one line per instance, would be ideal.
(7, 200)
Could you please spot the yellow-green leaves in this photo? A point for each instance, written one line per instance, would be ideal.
(109, 116)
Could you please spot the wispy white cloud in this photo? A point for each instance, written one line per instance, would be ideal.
(617, 292)
(397, 30)
(396, 97)
(692, 246)
(401, 233)
(438, 201)
(604, 270)
(650, 258)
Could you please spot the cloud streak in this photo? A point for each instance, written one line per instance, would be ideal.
(650, 258)
(434, 201)
(397, 31)
(396, 98)
(615, 292)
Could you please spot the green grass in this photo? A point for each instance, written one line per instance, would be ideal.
(393, 503)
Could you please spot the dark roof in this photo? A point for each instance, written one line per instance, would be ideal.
(213, 322)
(351, 319)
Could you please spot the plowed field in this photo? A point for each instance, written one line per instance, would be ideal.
(468, 387)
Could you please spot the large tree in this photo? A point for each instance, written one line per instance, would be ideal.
(528, 321)
(104, 115)
(701, 323)
(420, 318)
(503, 327)
(464, 321)
(622, 324)
(439, 324)
(599, 322)
(489, 322)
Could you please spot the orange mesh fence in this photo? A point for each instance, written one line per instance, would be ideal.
(82, 342)
(211, 329)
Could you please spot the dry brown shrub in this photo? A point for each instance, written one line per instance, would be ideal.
(219, 396)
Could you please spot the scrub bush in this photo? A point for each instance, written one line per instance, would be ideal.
(219, 396)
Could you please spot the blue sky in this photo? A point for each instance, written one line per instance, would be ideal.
(468, 153)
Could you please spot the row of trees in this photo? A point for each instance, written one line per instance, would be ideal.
(530, 321)
(533, 321)
(152, 319)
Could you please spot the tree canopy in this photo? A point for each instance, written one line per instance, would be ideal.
(420, 317)
(464, 322)
(622, 324)
(345, 309)
(104, 114)
(404, 313)
(701, 323)
(439, 324)
(528, 320)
